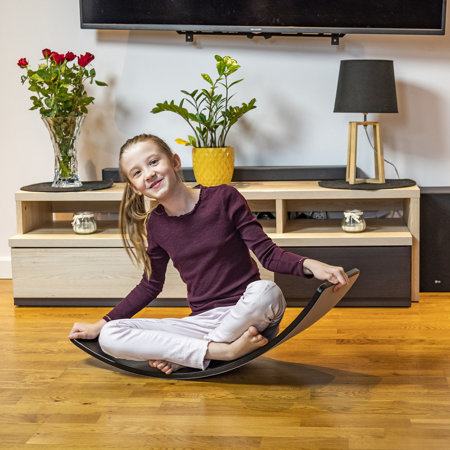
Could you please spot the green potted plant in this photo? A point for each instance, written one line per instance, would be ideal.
(210, 116)
(58, 92)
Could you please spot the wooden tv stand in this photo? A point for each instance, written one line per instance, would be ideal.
(52, 265)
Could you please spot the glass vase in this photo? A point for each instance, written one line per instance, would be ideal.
(64, 131)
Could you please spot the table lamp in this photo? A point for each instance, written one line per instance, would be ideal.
(365, 86)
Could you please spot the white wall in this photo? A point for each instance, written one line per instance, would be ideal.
(293, 80)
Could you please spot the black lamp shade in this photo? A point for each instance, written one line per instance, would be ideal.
(366, 86)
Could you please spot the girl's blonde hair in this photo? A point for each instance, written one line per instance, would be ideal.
(133, 212)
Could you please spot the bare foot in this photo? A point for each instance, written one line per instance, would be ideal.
(250, 340)
(165, 366)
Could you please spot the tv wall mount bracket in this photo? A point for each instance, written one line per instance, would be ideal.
(189, 35)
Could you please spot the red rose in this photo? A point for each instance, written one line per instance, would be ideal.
(70, 56)
(84, 60)
(46, 52)
(58, 58)
(22, 63)
(90, 57)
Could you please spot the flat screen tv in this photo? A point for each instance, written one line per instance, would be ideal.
(268, 16)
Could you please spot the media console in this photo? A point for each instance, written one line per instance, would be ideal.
(52, 265)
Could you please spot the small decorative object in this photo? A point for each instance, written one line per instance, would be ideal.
(353, 221)
(60, 95)
(84, 223)
(210, 118)
(366, 86)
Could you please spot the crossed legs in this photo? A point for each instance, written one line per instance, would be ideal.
(224, 333)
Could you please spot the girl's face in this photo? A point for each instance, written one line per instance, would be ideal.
(149, 171)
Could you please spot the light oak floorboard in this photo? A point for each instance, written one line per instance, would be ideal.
(361, 378)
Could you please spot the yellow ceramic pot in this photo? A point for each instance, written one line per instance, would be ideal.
(213, 166)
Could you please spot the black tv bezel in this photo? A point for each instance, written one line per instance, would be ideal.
(220, 29)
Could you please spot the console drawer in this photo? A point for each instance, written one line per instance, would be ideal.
(385, 278)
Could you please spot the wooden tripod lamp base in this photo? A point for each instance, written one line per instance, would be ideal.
(351, 154)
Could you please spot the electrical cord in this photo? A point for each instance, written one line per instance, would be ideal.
(392, 213)
(374, 149)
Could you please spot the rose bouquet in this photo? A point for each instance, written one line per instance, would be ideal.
(58, 92)
(58, 83)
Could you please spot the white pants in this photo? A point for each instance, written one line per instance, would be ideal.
(185, 341)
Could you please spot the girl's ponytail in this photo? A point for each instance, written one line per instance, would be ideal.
(132, 225)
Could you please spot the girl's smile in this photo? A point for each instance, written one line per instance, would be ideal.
(156, 184)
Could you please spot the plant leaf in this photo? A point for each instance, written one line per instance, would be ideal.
(207, 78)
(235, 82)
(181, 141)
(199, 95)
(190, 102)
(233, 69)
(221, 66)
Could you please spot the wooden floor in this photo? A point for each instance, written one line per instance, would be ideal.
(367, 378)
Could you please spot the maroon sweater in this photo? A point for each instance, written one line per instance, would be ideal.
(209, 246)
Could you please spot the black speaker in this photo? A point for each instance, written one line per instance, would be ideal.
(435, 239)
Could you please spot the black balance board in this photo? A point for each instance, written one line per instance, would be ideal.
(322, 301)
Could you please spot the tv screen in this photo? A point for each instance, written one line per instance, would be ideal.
(268, 16)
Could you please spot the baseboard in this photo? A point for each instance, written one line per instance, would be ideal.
(5, 267)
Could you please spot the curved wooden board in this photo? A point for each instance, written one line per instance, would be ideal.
(322, 301)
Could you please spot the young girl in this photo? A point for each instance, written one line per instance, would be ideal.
(207, 232)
